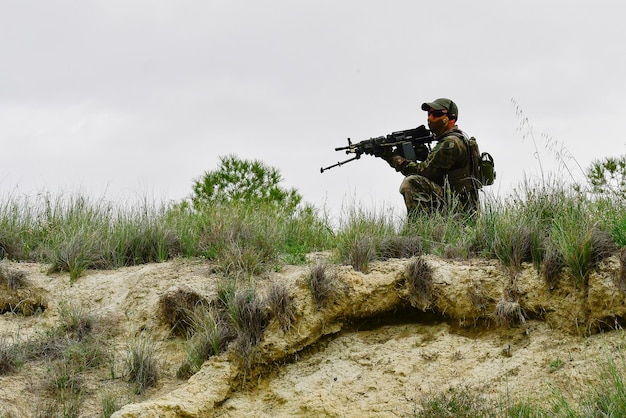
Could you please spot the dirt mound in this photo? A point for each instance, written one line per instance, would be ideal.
(374, 349)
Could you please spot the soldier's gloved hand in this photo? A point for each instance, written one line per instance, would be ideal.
(421, 152)
(395, 161)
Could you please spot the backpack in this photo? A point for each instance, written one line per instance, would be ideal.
(483, 167)
(482, 164)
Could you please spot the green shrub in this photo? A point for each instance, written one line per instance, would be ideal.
(244, 181)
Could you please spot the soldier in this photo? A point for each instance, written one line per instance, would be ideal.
(445, 171)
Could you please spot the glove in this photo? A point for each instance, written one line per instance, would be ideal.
(421, 152)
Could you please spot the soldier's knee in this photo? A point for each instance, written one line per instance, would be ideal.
(403, 187)
(407, 185)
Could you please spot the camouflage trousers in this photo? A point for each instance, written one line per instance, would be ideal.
(423, 195)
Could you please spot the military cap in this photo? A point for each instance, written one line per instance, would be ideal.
(441, 104)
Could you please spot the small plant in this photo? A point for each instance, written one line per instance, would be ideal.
(455, 403)
(555, 365)
(281, 305)
(209, 336)
(142, 365)
(9, 357)
(236, 258)
(419, 278)
(76, 252)
(582, 244)
(110, 404)
(67, 386)
(324, 284)
(515, 243)
(358, 240)
(552, 267)
(248, 316)
(400, 247)
(361, 252)
(74, 322)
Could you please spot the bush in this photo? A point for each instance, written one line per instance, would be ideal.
(244, 181)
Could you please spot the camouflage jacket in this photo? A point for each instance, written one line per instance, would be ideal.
(448, 161)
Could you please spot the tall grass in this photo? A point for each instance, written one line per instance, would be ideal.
(546, 221)
(75, 233)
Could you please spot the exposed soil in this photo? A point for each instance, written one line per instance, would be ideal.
(374, 350)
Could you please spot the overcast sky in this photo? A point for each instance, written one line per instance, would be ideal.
(139, 98)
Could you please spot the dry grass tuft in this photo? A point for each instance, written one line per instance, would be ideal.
(509, 313)
(13, 279)
(281, 305)
(208, 337)
(602, 246)
(324, 284)
(9, 357)
(177, 307)
(142, 365)
(400, 247)
(521, 246)
(419, 278)
(249, 318)
(361, 252)
(553, 265)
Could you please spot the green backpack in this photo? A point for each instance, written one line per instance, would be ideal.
(482, 164)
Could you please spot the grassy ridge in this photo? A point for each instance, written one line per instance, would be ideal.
(550, 224)
(557, 228)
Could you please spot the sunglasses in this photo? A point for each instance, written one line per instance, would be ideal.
(437, 113)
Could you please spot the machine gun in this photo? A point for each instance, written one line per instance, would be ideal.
(404, 143)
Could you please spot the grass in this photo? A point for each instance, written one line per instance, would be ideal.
(419, 278)
(74, 346)
(556, 227)
(178, 309)
(565, 232)
(208, 336)
(281, 306)
(9, 356)
(324, 283)
(249, 317)
(604, 399)
(142, 366)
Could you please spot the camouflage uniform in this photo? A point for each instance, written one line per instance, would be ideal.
(446, 170)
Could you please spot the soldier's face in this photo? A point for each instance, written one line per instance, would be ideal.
(437, 121)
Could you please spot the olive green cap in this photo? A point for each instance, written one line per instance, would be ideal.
(442, 104)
